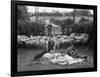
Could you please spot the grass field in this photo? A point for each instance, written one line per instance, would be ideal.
(26, 63)
(58, 18)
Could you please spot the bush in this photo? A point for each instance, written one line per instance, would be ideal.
(86, 27)
(68, 21)
(83, 19)
(27, 28)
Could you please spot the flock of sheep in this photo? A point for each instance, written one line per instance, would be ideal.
(42, 41)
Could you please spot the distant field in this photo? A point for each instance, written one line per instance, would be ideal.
(41, 18)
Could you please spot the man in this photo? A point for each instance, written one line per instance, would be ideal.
(71, 51)
(50, 44)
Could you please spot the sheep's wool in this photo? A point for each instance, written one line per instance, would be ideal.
(62, 60)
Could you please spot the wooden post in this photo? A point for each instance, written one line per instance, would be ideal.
(36, 13)
(88, 16)
(74, 16)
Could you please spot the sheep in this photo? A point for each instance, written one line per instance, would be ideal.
(42, 41)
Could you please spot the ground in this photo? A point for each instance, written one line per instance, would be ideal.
(26, 63)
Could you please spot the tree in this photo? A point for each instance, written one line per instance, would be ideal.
(85, 12)
(22, 13)
(22, 20)
(80, 12)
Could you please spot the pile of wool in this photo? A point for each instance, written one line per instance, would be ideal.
(58, 58)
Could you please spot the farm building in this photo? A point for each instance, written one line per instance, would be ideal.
(52, 29)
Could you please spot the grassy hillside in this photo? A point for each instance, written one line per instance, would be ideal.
(42, 18)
